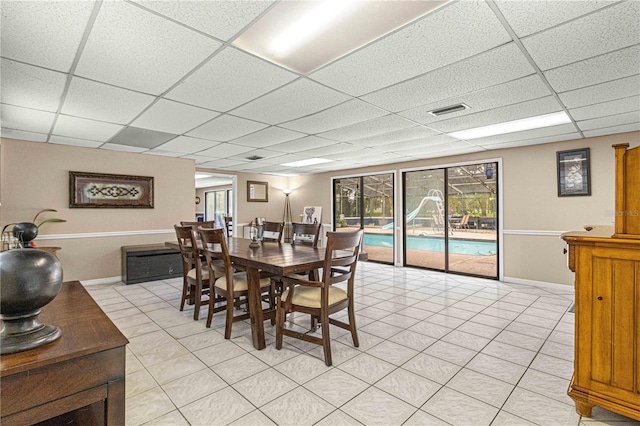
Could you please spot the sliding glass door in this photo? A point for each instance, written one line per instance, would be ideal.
(451, 219)
(366, 202)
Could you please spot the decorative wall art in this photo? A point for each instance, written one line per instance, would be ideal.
(100, 190)
(312, 214)
(574, 176)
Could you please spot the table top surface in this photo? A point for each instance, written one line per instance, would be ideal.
(85, 328)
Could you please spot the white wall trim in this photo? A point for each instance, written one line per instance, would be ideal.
(533, 232)
(105, 234)
(97, 281)
(544, 284)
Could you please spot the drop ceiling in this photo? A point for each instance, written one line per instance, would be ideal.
(163, 78)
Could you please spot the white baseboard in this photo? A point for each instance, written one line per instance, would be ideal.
(108, 280)
(546, 284)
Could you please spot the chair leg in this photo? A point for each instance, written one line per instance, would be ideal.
(280, 316)
(198, 299)
(352, 324)
(326, 340)
(229, 321)
(185, 293)
(212, 302)
(272, 300)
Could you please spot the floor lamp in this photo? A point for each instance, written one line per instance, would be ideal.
(286, 216)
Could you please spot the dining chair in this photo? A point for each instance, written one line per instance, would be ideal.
(194, 273)
(306, 233)
(228, 223)
(323, 298)
(227, 287)
(196, 225)
(272, 231)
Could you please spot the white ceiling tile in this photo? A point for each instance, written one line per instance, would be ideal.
(264, 153)
(394, 137)
(534, 141)
(19, 134)
(221, 19)
(298, 99)
(365, 129)
(266, 137)
(44, 33)
(123, 148)
(222, 163)
(26, 119)
(97, 101)
(527, 134)
(31, 87)
(297, 145)
(226, 127)
(336, 148)
(225, 150)
(617, 106)
(200, 159)
(187, 145)
(82, 128)
(439, 39)
(528, 17)
(508, 93)
(610, 66)
(136, 49)
(173, 117)
(404, 146)
(465, 76)
(163, 153)
(633, 127)
(63, 140)
(609, 29)
(616, 89)
(610, 121)
(350, 112)
(526, 109)
(230, 79)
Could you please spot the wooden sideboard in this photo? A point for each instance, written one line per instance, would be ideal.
(606, 262)
(77, 379)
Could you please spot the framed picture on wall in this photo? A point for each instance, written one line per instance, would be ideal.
(574, 172)
(100, 190)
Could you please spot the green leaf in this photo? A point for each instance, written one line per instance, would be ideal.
(42, 211)
(50, 220)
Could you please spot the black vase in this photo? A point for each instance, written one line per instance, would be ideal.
(25, 231)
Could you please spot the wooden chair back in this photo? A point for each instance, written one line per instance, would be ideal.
(196, 225)
(217, 253)
(188, 246)
(302, 231)
(337, 267)
(272, 231)
(228, 223)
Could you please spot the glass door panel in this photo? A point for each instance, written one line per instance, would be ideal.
(425, 219)
(378, 217)
(347, 204)
(473, 209)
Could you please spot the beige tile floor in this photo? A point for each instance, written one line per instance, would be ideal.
(435, 349)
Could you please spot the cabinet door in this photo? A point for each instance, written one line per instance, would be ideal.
(607, 321)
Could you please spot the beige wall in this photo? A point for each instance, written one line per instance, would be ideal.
(36, 176)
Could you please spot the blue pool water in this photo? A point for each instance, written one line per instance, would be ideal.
(471, 247)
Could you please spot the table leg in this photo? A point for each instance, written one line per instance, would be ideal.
(255, 308)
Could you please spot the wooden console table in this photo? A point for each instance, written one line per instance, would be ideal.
(77, 379)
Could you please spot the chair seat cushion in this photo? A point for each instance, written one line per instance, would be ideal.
(310, 296)
(205, 274)
(240, 282)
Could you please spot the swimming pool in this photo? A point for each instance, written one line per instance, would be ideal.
(469, 247)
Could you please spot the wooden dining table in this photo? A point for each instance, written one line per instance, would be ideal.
(278, 259)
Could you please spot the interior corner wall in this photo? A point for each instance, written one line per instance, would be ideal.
(35, 176)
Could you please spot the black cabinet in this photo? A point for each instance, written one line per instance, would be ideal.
(150, 263)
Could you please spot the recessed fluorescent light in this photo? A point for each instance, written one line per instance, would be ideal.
(308, 162)
(202, 175)
(305, 35)
(537, 122)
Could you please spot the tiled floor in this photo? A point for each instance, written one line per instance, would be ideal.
(435, 349)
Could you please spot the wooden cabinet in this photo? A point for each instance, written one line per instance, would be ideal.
(606, 262)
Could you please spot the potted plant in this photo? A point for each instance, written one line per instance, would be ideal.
(28, 231)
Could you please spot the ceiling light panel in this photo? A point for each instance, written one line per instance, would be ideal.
(187, 145)
(298, 99)
(303, 36)
(583, 38)
(462, 77)
(611, 66)
(603, 92)
(82, 128)
(307, 162)
(103, 102)
(221, 19)
(173, 117)
(226, 127)
(144, 138)
(44, 33)
(436, 40)
(508, 93)
(229, 79)
(365, 129)
(547, 120)
(350, 112)
(150, 61)
(31, 87)
(26, 119)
